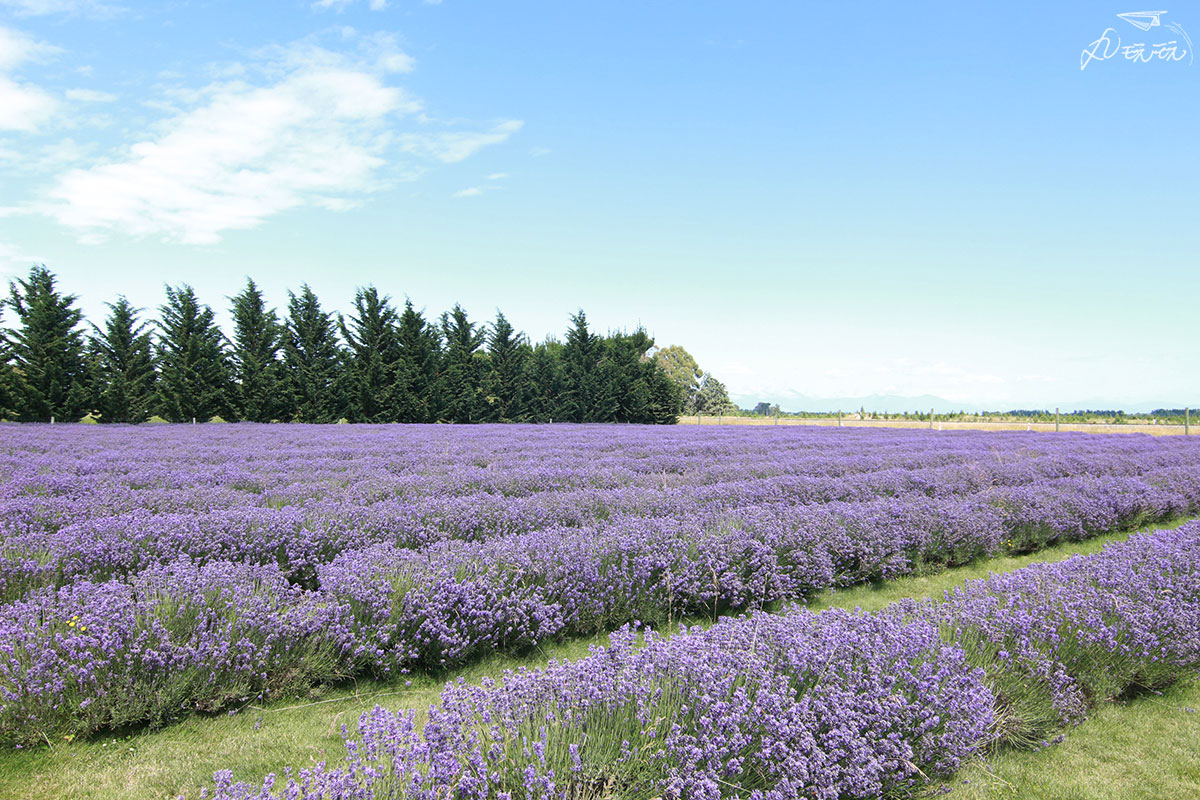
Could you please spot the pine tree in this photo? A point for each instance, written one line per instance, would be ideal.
(257, 337)
(373, 357)
(122, 358)
(464, 368)
(504, 387)
(47, 350)
(311, 361)
(545, 384)
(416, 394)
(583, 393)
(8, 377)
(194, 378)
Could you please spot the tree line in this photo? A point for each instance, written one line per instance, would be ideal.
(379, 363)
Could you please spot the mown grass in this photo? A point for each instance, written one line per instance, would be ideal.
(1146, 747)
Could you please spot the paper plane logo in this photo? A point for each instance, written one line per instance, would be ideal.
(1145, 20)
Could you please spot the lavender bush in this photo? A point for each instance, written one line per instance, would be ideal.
(827, 705)
(226, 561)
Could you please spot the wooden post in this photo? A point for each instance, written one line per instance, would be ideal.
(1187, 421)
(1056, 419)
(931, 419)
(699, 418)
(51, 420)
(839, 418)
(719, 415)
(193, 420)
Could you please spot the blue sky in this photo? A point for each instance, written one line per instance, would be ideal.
(814, 200)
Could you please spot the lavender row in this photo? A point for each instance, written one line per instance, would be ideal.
(826, 705)
(300, 498)
(191, 635)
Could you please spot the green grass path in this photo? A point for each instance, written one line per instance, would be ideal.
(1148, 747)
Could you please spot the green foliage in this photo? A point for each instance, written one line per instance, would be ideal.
(311, 361)
(712, 397)
(417, 391)
(396, 366)
(49, 377)
(504, 387)
(122, 362)
(463, 368)
(194, 375)
(257, 372)
(373, 359)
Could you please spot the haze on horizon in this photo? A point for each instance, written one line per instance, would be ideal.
(901, 200)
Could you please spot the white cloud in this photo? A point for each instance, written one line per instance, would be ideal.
(35, 8)
(23, 107)
(451, 147)
(244, 154)
(340, 5)
(90, 96)
(317, 129)
(497, 176)
(473, 191)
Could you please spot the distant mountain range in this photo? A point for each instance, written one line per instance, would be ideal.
(897, 404)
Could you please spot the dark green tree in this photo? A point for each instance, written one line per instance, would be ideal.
(545, 384)
(194, 375)
(713, 398)
(47, 350)
(122, 358)
(585, 399)
(504, 386)
(8, 378)
(257, 338)
(373, 357)
(311, 361)
(463, 368)
(417, 396)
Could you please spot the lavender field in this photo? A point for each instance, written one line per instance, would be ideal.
(152, 573)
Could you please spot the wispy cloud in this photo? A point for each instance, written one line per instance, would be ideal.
(303, 126)
(497, 176)
(451, 147)
(37, 8)
(340, 5)
(243, 155)
(90, 96)
(23, 106)
(472, 191)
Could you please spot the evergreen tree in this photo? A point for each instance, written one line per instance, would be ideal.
(545, 384)
(8, 377)
(632, 371)
(311, 361)
(463, 368)
(504, 387)
(713, 398)
(416, 394)
(585, 396)
(257, 337)
(47, 350)
(194, 378)
(122, 357)
(373, 357)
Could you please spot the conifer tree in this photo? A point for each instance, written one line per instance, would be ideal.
(585, 394)
(545, 384)
(47, 349)
(122, 358)
(373, 357)
(311, 361)
(463, 368)
(257, 337)
(194, 378)
(504, 385)
(8, 377)
(417, 395)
